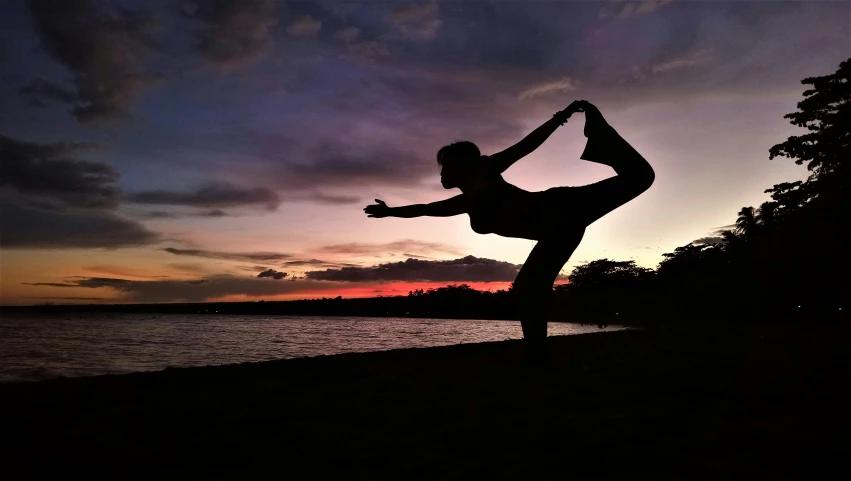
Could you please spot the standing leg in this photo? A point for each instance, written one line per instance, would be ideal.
(533, 288)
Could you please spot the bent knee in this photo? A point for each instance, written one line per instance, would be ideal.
(641, 179)
(647, 178)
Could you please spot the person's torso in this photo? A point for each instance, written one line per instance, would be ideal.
(504, 209)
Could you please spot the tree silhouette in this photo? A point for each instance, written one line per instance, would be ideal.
(608, 272)
(768, 214)
(746, 222)
(826, 113)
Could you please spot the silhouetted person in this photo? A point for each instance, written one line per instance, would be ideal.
(556, 217)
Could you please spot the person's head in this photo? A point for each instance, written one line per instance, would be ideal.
(459, 163)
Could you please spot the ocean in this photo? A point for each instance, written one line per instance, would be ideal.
(35, 347)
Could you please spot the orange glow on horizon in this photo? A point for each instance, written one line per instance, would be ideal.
(388, 289)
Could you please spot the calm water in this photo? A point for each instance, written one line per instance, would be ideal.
(37, 347)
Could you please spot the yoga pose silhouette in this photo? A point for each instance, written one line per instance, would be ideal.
(556, 217)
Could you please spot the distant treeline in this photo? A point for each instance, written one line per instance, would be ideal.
(617, 296)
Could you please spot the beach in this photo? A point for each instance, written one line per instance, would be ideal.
(767, 399)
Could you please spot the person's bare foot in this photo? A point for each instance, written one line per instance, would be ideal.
(594, 121)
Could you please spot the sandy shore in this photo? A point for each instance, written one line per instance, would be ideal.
(701, 402)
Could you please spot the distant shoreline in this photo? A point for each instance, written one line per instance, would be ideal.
(394, 316)
(395, 306)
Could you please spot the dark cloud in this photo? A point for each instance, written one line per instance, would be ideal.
(237, 31)
(230, 256)
(709, 240)
(327, 199)
(120, 271)
(196, 290)
(407, 245)
(157, 214)
(103, 45)
(89, 282)
(467, 269)
(272, 273)
(51, 284)
(211, 195)
(716, 237)
(251, 268)
(31, 228)
(49, 175)
(52, 200)
(725, 227)
(316, 263)
(67, 298)
(214, 213)
(160, 215)
(194, 267)
(41, 90)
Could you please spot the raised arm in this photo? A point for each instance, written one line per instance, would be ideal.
(442, 208)
(503, 160)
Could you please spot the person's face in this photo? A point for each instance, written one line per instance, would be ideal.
(449, 176)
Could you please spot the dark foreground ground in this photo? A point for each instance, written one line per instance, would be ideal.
(769, 401)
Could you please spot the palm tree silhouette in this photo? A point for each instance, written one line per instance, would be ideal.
(746, 222)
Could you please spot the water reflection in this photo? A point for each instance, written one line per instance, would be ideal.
(89, 344)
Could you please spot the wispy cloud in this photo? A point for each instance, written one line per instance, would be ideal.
(347, 34)
(231, 256)
(623, 10)
(304, 26)
(418, 20)
(389, 248)
(565, 84)
(689, 60)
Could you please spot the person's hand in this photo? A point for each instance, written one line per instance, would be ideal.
(377, 210)
(575, 106)
(562, 115)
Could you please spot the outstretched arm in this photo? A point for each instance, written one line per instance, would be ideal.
(443, 208)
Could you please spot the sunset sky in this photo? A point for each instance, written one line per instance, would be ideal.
(167, 150)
